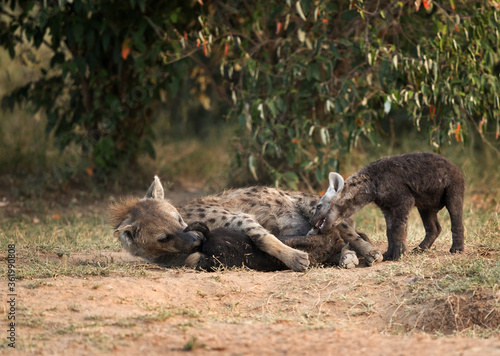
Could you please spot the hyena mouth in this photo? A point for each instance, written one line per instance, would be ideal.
(320, 223)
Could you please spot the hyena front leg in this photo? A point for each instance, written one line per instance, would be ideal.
(216, 217)
(360, 243)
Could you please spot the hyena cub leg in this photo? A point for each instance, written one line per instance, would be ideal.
(432, 228)
(455, 207)
(360, 243)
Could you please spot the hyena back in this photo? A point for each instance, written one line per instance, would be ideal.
(396, 184)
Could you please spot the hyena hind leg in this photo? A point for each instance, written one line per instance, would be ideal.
(432, 229)
(455, 207)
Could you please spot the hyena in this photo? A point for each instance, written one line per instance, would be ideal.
(268, 215)
(153, 229)
(228, 248)
(150, 227)
(396, 184)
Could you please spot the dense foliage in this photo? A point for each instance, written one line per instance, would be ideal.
(103, 74)
(308, 78)
(305, 79)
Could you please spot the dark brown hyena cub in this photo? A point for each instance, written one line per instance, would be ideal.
(224, 248)
(396, 184)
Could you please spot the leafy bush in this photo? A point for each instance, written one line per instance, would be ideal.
(304, 79)
(308, 79)
(103, 75)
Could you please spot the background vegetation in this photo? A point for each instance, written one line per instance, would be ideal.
(210, 94)
(290, 87)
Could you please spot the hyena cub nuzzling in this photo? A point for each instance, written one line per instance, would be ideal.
(155, 230)
(396, 184)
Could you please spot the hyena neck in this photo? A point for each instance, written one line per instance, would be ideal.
(357, 193)
(305, 203)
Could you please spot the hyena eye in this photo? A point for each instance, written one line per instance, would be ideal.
(180, 220)
(167, 238)
(318, 207)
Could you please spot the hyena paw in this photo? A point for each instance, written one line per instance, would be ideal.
(373, 257)
(418, 249)
(348, 259)
(457, 249)
(395, 253)
(299, 261)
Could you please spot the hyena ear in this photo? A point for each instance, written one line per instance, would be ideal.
(336, 182)
(125, 229)
(155, 191)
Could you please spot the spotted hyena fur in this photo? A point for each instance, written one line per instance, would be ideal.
(396, 184)
(155, 230)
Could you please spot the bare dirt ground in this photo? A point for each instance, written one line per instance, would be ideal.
(322, 311)
(325, 311)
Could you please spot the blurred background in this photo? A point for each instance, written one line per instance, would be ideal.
(103, 95)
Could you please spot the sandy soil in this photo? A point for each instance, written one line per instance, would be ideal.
(323, 311)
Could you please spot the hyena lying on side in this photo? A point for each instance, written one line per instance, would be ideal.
(151, 227)
(396, 184)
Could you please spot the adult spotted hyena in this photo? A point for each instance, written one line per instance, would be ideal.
(396, 184)
(268, 216)
(151, 227)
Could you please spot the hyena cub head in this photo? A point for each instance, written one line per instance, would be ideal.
(340, 201)
(325, 203)
(151, 227)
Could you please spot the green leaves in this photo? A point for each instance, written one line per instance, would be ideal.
(453, 74)
(305, 80)
(85, 70)
(435, 66)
